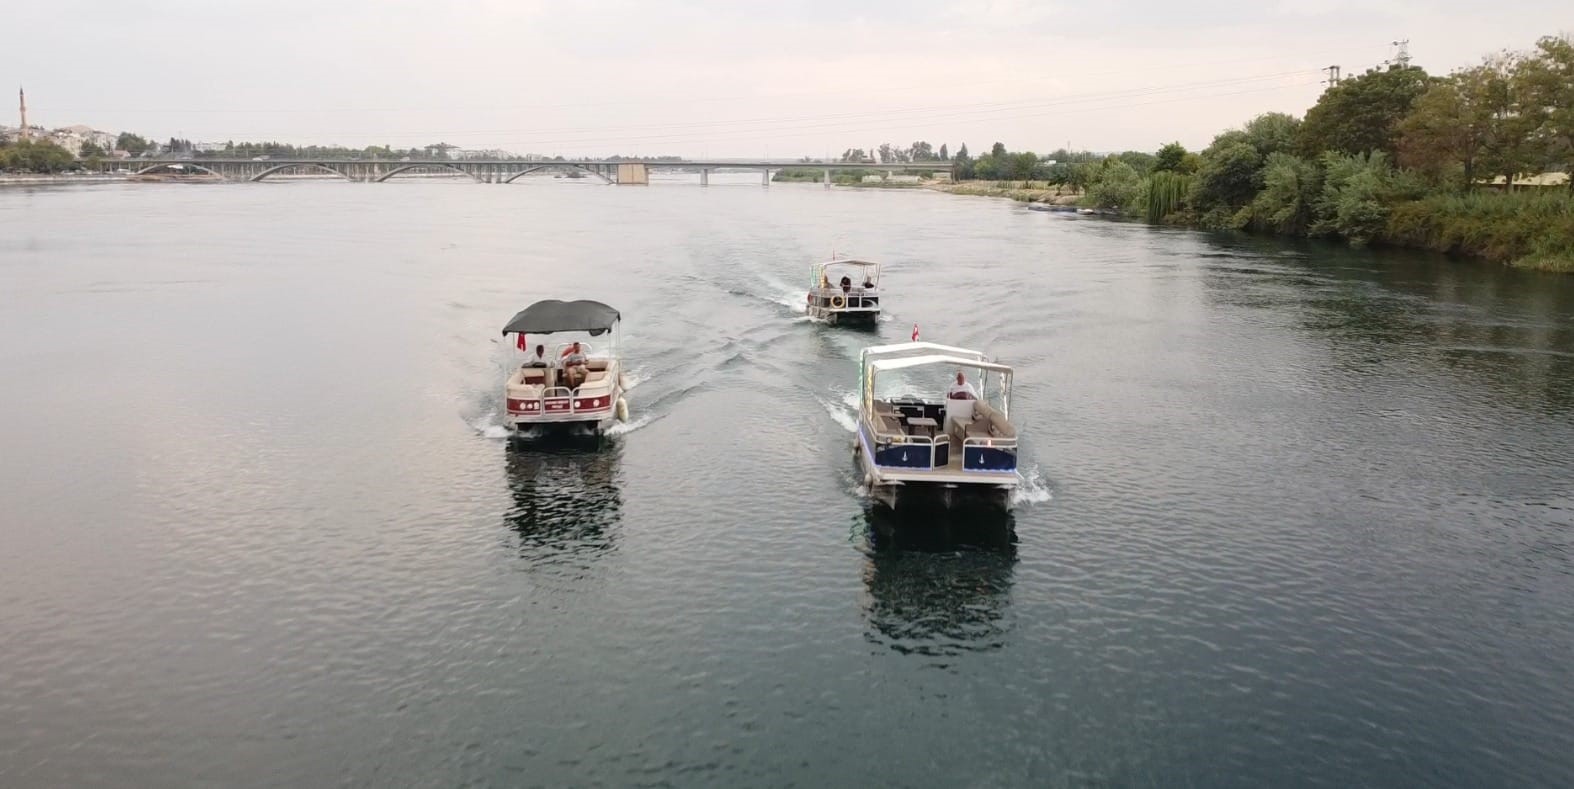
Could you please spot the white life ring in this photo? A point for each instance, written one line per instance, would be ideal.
(838, 302)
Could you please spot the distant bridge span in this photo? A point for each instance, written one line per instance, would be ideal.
(500, 171)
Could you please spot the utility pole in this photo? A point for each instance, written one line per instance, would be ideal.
(1402, 57)
(21, 96)
(1333, 76)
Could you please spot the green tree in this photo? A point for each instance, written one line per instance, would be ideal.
(962, 165)
(1169, 158)
(944, 155)
(922, 152)
(1291, 188)
(1547, 84)
(35, 156)
(1021, 166)
(1272, 133)
(1352, 204)
(1141, 161)
(1226, 181)
(1444, 134)
(1116, 186)
(988, 168)
(998, 151)
(131, 143)
(1363, 113)
(90, 150)
(1499, 94)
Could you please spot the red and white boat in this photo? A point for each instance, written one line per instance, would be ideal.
(545, 393)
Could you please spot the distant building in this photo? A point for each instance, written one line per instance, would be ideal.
(1541, 180)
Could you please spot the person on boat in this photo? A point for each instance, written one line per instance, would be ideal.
(868, 282)
(961, 390)
(574, 366)
(539, 358)
(847, 284)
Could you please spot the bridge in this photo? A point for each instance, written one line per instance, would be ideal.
(487, 171)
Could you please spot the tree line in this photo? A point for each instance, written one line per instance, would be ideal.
(1393, 156)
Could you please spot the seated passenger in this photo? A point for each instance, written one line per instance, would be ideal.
(574, 369)
(868, 283)
(539, 358)
(847, 284)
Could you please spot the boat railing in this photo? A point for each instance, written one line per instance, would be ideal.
(558, 400)
(935, 449)
(989, 453)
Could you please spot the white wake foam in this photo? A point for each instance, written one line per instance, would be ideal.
(622, 428)
(488, 427)
(1034, 489)
(844, 412)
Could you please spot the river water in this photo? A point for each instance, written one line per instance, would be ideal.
(1292, 514)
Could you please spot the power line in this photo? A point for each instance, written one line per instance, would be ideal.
(974, 111)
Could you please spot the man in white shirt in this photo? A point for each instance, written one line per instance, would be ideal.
(961, 390)
(539, 358)
(574, 366)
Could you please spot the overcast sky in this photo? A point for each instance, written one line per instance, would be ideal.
(716, 78)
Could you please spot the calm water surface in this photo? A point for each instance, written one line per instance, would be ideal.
(1293, 515)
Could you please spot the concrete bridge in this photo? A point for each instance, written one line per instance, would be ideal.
(486, 171)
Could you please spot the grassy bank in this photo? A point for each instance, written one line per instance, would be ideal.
(1020, 191)
(1526, 229)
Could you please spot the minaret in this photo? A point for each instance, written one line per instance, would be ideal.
(21, 96)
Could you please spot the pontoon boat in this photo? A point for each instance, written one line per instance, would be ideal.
(555, 393)
(845, 290)
(918, 451)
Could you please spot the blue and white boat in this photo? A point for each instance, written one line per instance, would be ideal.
(923, 451)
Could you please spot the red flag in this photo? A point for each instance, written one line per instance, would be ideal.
(520, 342)
(915, 332)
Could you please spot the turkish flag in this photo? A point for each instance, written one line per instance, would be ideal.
(915, 332)
(520, 342)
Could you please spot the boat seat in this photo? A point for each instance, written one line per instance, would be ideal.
(595, 377)
(987, 422)
(535, 376)
(890, 424)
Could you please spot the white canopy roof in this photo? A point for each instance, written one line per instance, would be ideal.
(976, 363)
(914, 347)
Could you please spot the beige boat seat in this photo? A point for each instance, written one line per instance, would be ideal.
(987, 422)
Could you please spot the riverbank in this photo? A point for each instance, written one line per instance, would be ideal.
(59, 178)
(1524, 229)
(1020, 191)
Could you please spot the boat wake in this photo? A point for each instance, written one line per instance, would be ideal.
(1034, 488)
(843, 409)
(624, 428)
(488, 427)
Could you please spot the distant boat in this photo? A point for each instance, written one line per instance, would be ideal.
(852, 297)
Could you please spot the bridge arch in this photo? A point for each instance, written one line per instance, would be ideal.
(171, 165)
(407, 167)
(564, 165)
(278, 168)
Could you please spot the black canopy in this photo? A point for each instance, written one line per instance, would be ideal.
(546, 317)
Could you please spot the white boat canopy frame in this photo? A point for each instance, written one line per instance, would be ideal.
(865, 265)
(967, 358)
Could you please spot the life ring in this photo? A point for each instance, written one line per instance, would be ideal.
(838, 302)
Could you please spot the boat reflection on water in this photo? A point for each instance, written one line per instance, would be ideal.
(566, 500)
(940, 584)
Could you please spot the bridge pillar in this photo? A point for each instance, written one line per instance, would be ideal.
(704, 176)
(827, 178)
(765, 179)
